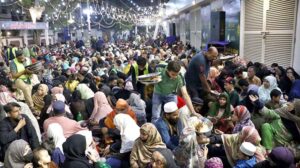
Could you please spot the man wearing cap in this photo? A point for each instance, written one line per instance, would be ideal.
(246, 155)
(197, 73)
(16, 126)
(69, 126)
(233, 94)
(21, 77)
(169, 125)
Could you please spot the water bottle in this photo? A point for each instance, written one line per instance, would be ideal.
(79, 117)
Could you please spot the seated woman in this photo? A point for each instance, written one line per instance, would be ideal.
(283, 127)
(38, 98)
(79, 106)
(145, 145)
(129, 132)
(189, 153)
(278, 158)
(229, 150)
(41, 159)
(18, 154)
(265, 89)
(62, 98)
(241, 117)
(74, 150)
(101, 108)
(287, 80)
(220, 112)
(163, 157)
(138, 106)
(56, 135)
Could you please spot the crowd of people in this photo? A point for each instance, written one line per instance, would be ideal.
(73, 106)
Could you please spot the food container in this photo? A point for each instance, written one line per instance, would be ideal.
(36, 67)
(202, 125)
(151, 78)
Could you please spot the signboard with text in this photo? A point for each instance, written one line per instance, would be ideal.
(15, 25)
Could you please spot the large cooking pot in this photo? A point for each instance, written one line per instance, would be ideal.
(36, 67)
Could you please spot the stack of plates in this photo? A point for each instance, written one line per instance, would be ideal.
(151, 78)
(36, 67)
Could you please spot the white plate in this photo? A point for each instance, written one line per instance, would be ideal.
(150, 82)
(227, 57)
(141, 77)
(215, 92)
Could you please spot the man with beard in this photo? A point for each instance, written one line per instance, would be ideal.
(21, 77)
(169, 125)
(16, 126)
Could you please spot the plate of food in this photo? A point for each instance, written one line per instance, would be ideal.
(149, 77)
(227, 57)
(202, 125)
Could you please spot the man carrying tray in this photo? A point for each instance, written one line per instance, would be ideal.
(166, 90)
(21, 77)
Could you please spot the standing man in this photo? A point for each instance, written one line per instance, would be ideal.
(166, 90)
(21, 77)
(197, 73)
(16, 126)
(140, 67)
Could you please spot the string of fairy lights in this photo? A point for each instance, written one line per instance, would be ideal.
(102, 14)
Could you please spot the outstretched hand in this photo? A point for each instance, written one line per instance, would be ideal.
(253, 98)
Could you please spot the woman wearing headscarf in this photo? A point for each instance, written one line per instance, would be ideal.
(129, 132)
(80, 106)
(138, 106)
(18, 154)
(75, 153)
(145, 145)
(283, 127)
(241, 117)
(101, 107)
(163, 158)
(189, 154)
(38, 98)
(220, 112)
(288, 79)
(279, 157)
(55, 133)
(231, 144)
(121, 107)
(213, 74)
(265, 89)
(214, 162)
(85, 91)
(57, 90)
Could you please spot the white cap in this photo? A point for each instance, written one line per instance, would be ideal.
(248, 148)
(170, 107)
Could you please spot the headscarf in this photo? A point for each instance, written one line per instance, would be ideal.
(74, 150)
(62, 98)
(6, 98)
(138, 106)
(57, 90)
(14, 155)
(282, 157)
(264, 93)
(129, 131)
(38, 100)
(188, 153)
(214, 109)
(142, 151)
(232, 143)
(169, 157)
(56, 132)
(86, 92)
(244, 118)
(121, 104)
(101, 107)
(214, 162)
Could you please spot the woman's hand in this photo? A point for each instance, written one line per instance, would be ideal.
(253, 98)
(106, 150)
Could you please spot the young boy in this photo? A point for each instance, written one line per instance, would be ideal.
(246, 156)
(275, 102)
(233, 95)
